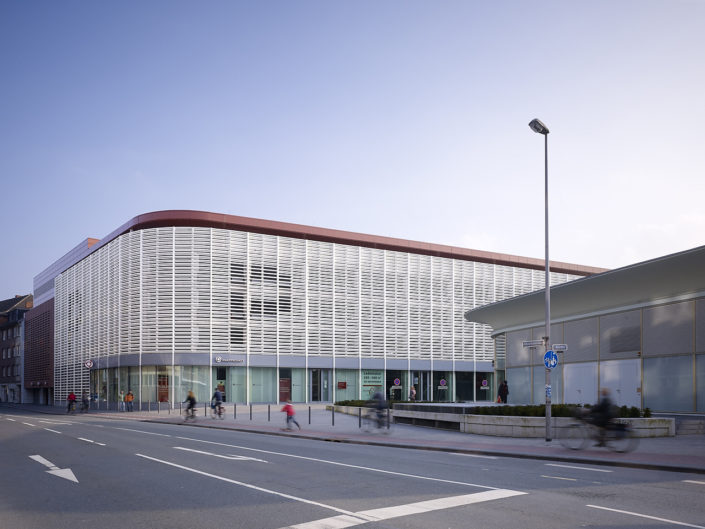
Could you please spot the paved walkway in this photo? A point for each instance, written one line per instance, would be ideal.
(683, 453)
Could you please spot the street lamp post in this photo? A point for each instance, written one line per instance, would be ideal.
(540, 128)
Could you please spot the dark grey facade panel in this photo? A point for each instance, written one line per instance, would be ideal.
(442, 365)
(292, 361)
(347, 363)
(620, 335)
(320, 362)
(396, 363)
(517, 354)
(263, 360)
(372, 363)
(420, 365)
(668, 329)
(581, 339)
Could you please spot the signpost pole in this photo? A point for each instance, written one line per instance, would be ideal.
(548, 302)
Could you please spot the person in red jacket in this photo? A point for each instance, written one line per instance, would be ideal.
(71, 400)
(290, 416)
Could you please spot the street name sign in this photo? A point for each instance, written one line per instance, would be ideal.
(559, 347)
(532, 343)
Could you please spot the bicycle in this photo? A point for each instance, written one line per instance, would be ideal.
(190, 414)
(617, 436)
(374, 419)
(218, 411)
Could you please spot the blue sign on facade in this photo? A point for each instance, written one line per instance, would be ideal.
(550, 359)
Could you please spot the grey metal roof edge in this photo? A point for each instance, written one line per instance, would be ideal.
(611, 310)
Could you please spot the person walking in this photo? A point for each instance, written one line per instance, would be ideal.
(71, 400)
(503, 392)
(290, 416)
(412, 393)
(121, 401)
(129, 398)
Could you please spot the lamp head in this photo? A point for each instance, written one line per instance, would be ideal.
(539, 127)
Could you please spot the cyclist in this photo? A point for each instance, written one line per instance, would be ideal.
(191, 408)
(84, 402)
(379, 405)
(602, 414)
(217, 401)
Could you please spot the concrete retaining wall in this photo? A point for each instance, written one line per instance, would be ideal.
(507, 426)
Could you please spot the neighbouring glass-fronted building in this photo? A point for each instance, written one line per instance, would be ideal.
(638, 331)
(175, 301)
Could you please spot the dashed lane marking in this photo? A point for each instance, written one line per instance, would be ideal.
(90, 441)
(693, 481)
(578, 468)
(231, 457)
(558, 477)
(674, 522)
(50, 430)
(142, 431)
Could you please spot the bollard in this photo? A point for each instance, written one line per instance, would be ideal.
(168, 409)
(269, 412)
(250, 411)
(159, 406)
(205, 409)
(359, 417)
(332, 414)
(388, 408)
(309, 414)
(234, 410)
(180, 412)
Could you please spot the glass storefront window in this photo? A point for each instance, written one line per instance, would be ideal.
(442, 386)
(372, 382)
(263, 384)
(149, 386)
(298, 385)
(668, 383)
(346, 384)
(396, 385)
(238, 384)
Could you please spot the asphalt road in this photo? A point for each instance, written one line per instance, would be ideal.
(82, 471)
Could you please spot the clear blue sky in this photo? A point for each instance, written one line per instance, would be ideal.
(398, 118)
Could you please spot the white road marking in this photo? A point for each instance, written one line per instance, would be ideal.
(415, 476)
(232, 457)
(54, 470)
(247, 485)
(474, 455)
(90, 441)
(142, 431)
(387, 513)
(558, 477)
(350, 519)
(692, 481)
(29, 424)
(13, 420)
(579, 468)
(647, 516)
(50, 430)
(54, 422)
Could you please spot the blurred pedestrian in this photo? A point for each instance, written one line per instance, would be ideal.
(290, 416)
(503, 392)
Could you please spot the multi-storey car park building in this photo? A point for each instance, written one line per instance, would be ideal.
(182, 300)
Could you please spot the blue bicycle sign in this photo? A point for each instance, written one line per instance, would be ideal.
(550, 359)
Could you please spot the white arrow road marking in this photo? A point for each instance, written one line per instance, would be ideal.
(54, 470)
(234, 482)
(648, 517)
(386, 513)
(232, 457)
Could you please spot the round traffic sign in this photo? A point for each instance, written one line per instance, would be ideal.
(550, 359)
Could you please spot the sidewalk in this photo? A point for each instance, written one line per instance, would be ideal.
(684, 453)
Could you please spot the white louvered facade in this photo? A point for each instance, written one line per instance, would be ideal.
(157, 293)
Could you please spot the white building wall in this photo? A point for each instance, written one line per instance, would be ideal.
(212, 291)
